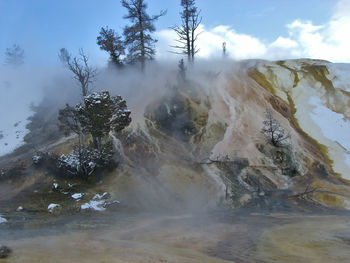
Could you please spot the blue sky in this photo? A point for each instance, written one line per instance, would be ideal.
(41, 27)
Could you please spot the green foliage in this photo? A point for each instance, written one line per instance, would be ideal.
(97, 115)
(84, 160)
(138, 36)
(101, 113)
(111, 42)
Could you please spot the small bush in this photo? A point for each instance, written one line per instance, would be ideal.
(84, 161)
(273, 130)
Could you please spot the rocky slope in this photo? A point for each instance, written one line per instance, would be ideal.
(198, 143)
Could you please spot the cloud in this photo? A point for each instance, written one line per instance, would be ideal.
(329, 41)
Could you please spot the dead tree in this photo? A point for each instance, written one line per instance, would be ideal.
(84, 73)
(187, 32)
(111, 42)
(138, 35)
(181, 71)
(307, 192)
(273, 130)
(224, 51)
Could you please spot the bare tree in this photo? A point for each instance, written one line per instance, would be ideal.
(273, 130)
(138, 35)
(84, 73)
(187, 32)
(14, 56)
(110, 41)
(181, 71)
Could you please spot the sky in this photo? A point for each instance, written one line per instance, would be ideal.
(268, 29)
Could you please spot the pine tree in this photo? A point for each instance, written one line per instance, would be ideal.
(101, 113)
(97, 116)
(110, 41)
(138, 35)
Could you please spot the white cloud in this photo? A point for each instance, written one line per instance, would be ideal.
(329, 41)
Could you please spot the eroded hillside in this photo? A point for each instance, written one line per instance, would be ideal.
(198, 143)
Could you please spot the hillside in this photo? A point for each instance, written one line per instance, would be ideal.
(199, 142)
(197, 180)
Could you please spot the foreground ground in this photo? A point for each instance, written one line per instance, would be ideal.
(219, 236)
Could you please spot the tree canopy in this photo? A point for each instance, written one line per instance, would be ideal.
(138, 36)
(111, 42)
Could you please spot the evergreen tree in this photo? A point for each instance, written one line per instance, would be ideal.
(110, 41)
(138, 35)
(101, 113)
(97, 115)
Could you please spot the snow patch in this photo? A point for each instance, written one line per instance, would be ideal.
(20, 208)
(332, 124)
(99, 197)
(2, 220)
(77, 196)
(341, 76)
(51, 207)
(94, 205)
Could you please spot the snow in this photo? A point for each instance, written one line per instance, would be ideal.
(20, 208)
(2, 220)
(94, 205)
(55, 185)
(18, 89)
(36, 158)
(51, 207)
(332, 125)
(98, 202)
(342, 75)
(99, 197)
(77, 196)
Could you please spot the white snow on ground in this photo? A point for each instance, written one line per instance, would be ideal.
(99, 197)
(77, 196)
(341, 74)
(94, 205)
(2, 220)
(18, 89)
(51, 207)
(98, 202)
(332, 125)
